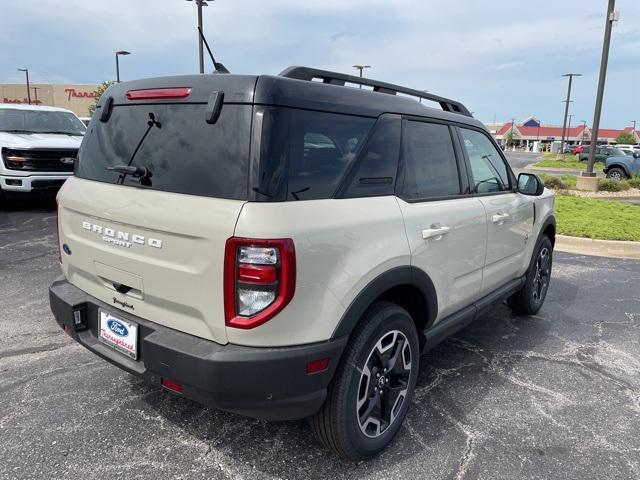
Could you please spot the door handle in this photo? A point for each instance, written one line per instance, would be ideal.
(436, 232)
(499, 218)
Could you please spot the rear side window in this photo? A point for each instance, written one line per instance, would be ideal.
(180, 151)
(488, 170)
(429, 162)
(304, 155)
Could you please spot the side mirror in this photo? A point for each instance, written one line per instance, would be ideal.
(530, 184)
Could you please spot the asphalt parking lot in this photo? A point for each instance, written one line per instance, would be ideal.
(552, 396)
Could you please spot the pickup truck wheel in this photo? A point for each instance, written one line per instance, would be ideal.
(530, 298)
(616, 174)
(372, 390)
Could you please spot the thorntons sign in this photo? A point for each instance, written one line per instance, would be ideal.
(73, 93)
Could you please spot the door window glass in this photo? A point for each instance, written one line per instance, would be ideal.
(430, 168)
(488, 170)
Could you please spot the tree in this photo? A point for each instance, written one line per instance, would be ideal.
(509, 139)
(99, 91)
(626, 138)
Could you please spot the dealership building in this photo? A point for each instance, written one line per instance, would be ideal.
(76, 98)
(532, 133)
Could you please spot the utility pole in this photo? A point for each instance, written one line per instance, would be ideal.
(35, 91)
(612, 16)
(361, 68)
(118, 53)
(569, 128)
(200, 4)
(566, 108)
(26, 71)
(513, 143)
(584, 129)
(634, 128)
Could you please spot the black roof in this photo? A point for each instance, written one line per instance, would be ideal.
(294, 88)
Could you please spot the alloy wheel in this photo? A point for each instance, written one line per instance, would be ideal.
(384, 382)
(542, 275)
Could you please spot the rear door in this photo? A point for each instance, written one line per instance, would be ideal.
(509, 215)
(152, 243)
(446, 228)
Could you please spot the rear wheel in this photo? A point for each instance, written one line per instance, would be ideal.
(530, 298)
(371, 392)
(616, 174)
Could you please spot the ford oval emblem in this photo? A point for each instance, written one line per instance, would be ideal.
(68, 160)
(118, 328)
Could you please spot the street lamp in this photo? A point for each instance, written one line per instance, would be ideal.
(612, 16)
(361, 68)
(118, 53)
(200, 4)
(26, 71)
(566, 107)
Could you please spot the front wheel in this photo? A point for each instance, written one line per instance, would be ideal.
(616, 174)
(530, 298)
(372, 390)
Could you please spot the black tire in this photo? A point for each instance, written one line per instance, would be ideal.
(529, 299)
(616, 173)
(339, 423)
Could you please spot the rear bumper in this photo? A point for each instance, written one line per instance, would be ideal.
(264, 383)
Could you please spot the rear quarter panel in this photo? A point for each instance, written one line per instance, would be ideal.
(341, 245)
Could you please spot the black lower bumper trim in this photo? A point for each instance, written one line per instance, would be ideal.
(264, 383)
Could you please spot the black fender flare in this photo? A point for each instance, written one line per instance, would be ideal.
(405, 275)
(551, 220)
(620, 165)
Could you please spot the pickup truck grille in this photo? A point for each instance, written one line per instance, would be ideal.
(39, 160)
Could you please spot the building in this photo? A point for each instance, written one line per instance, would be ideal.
(76, 98)
(531, 134)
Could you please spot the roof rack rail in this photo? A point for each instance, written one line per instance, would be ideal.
(335, 78)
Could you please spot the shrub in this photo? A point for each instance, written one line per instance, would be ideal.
(555, 182)
(607, 185)
(634, 182)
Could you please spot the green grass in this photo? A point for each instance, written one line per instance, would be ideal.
(601, 219)
(559, 182)
(569, 162)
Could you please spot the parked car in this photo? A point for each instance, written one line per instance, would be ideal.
(578, 149)
(602, 153)
(285, 248)
(85, 120)
(38, 146)
(622, 166)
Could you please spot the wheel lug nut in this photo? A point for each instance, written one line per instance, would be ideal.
(377, 375)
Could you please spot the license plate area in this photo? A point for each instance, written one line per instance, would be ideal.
(119, 334)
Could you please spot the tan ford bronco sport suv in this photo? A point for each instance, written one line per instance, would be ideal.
(287, 246)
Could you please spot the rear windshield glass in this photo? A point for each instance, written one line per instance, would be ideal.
(304, 155)
(171, 148)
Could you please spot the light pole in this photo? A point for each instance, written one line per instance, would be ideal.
(566, 107)
(118, 53)
(361, 68)
(26, 71)
(611, 17)
(200, 4)
(634, 127)
(584, 130)
(35, 92)
(569, 128)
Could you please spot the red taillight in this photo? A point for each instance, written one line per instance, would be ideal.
(158, 93)
(58, 232)
(171, 385)
(259, 280)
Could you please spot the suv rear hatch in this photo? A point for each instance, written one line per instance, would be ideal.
(156, 195)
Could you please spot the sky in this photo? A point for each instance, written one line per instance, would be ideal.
(502, 58)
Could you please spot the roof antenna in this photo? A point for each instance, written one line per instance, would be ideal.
(219, 68)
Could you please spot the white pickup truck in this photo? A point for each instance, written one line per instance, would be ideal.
(38, 146)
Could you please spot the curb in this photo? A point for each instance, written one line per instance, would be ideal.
(598, 248)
